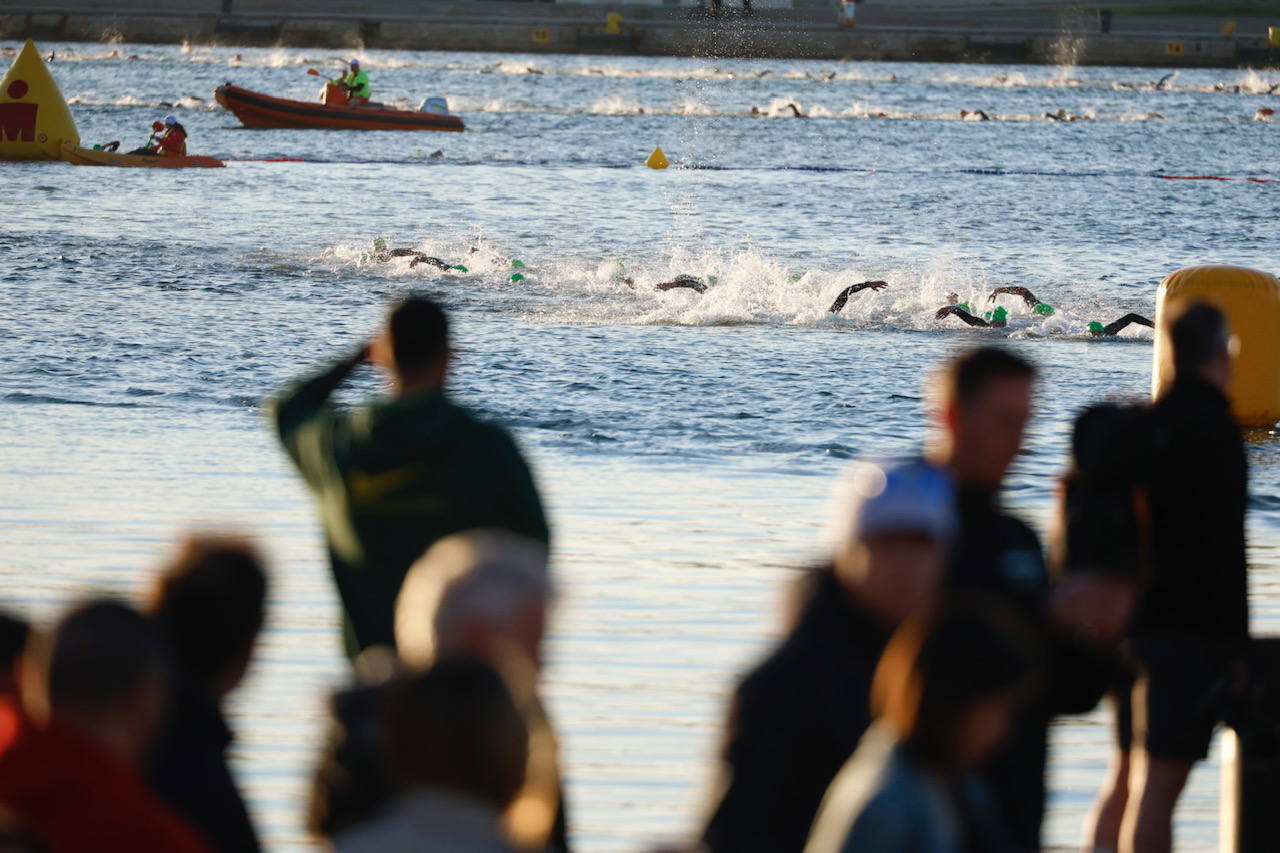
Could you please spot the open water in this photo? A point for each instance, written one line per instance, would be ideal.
(685, 443)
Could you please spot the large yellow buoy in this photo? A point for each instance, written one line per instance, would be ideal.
(657, 160)
(1251, 300)
(34, 119)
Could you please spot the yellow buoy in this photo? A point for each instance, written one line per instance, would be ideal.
(657, 160)
(34, 118)
(1251, 300)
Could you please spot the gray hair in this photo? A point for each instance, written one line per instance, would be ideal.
(485, 575)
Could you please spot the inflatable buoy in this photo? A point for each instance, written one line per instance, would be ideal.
(34, 118)
(1251, 300)
(657, 160)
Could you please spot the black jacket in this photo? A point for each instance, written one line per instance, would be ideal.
(795, 720)
(996, 554)
(188, 770)
(1198, 493)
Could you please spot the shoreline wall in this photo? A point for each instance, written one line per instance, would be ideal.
(1088, 37)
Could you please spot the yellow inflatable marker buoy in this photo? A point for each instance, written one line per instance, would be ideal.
(1251, 300)
(657, 160)
(34, 118)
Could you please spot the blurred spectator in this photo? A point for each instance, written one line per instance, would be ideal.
(209, 605)
(479, 595)
(1191, 633)
(95, 692)
(945, 696)
(14, 634)
(798, 717)
(458, 746)
(393, 477)
(983, 403)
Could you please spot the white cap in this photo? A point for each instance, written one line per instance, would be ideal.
(875, 499)
(171, 119)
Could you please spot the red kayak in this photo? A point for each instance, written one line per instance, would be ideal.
(263, 111)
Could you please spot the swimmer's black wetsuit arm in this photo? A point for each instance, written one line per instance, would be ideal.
(843, 298)
(956, 311)
(692, 284)
(1027, 295)
(1124, 322)
(301, 404)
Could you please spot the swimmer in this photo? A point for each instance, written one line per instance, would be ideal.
(1111, 329)
(996, 319)
(381, 254)
(1160, 84)
(687, 281)
(843, 297)
(1263, 114)
(974, 115)
(1027, 296)
(795, 111)
(1063, 115)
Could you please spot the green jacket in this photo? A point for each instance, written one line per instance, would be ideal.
(358, 83)
(393, 477)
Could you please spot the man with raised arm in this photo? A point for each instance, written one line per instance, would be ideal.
(394, 476)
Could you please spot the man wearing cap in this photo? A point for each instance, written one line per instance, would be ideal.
(172, 142)
(356, 84)
(799, 715)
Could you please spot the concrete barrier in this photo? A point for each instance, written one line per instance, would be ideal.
(883, 32)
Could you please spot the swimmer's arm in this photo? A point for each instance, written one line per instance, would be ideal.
(843, 298)
(672, 285)
(1026, 295)
(1124, 322)
(955, 311)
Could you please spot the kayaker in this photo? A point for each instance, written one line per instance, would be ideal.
(172, 141)
(355, 83)
(168, 137)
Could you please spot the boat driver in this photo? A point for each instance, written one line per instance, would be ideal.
(356, 84)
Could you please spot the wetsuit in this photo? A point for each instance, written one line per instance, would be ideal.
(843, 297)
(1036, 306)
(691, 282)
(794, 722)
(996, 319)
(383, 255)
(393, 477)
(1099, 330)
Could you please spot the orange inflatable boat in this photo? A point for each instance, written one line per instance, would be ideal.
(255, 109)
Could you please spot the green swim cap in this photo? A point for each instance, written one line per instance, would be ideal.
(459, 268)
(712, 279)
(518, 264)
(997, 316)
(965, 307)
(1096, 328)
(517, 278)
(1043, 310)
(379, 243)
(795, 276)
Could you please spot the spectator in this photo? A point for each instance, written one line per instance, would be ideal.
(393, 477)
(14, 634)
(69, 763)
(983, 403)
(209, 605)
(798, 717)
(945, 695)
(1191, 631)
(480, 595)
(458, 745)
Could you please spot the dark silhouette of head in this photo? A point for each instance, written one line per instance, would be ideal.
(456, 728)
(1201, 341)
(419, 335)
(951, 678)
(105, 670)
(209, 603)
